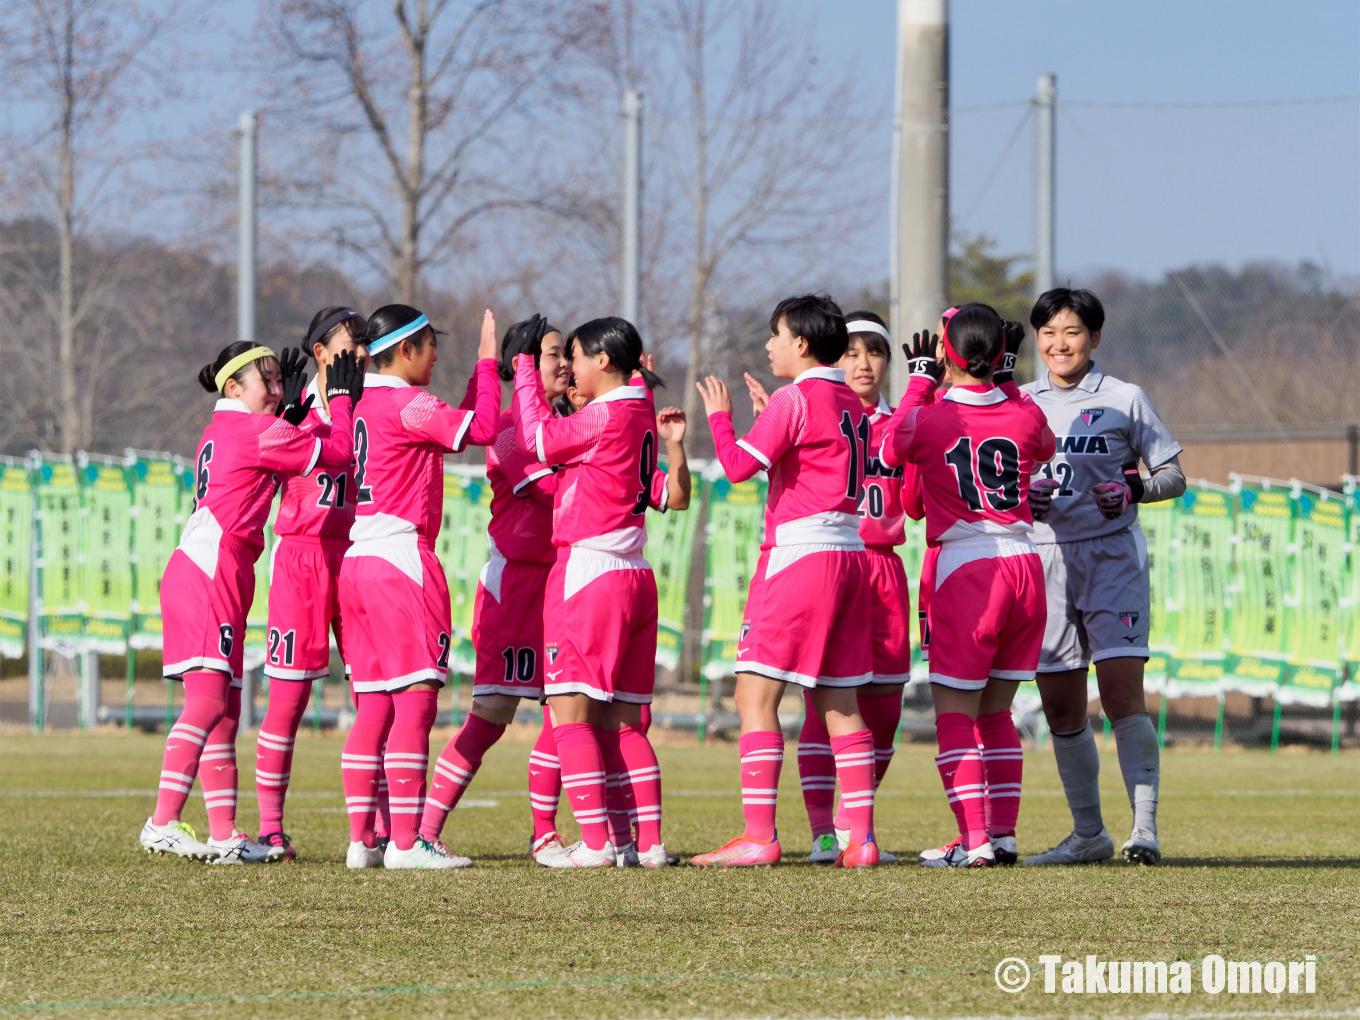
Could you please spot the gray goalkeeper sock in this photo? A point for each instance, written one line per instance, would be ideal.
(1079, 768)
(1140, 759)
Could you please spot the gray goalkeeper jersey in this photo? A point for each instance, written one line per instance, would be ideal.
(1100, 423)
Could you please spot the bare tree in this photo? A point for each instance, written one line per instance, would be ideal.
(77, 65)
(437, 90)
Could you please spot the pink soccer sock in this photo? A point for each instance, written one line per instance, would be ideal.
(641, 775)
(454, 769)
(816, 769)
(882, 713)
(1003, 761)
(583, 773)
(407, 758)
(855, 771)
(545, 779)
(960, 765)
(217, 770)
(274, 748)
(617, 797)
(382, 820)
(361, 762)
(762, 756)
(205, 701)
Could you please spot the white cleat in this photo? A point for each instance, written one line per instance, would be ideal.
(656, 857)
(423, 856)
(546, 847)
(238, 848)
(938, 853)
(1076, 849)
(578, 855)
(1142, 848)
(626, 856)
(825, 849)
(176, 838)
(957, 857)
(842, 839)
(359, 856)
(1004, 849)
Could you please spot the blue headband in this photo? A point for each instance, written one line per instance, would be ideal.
(397, 335)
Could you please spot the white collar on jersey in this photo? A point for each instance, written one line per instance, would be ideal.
(882, 408)
(826, 372)
(314, 392)
(1090, 382)
(231, 404)
(392, 381)
(622, 393)
(975, 398)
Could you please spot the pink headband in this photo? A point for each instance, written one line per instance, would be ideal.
(954, 355)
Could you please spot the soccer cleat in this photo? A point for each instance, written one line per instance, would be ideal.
(979, 857)
(1142, 848)
(1076, 849)
(176, 838)
(359, 856)
(238, 848)
(860, 855)
(824, 849)
(842, 838)
(884, 857)
(423, 856)
(742, 852)
(657, 857)
(626, 856)
(1004, 849)
(545, 846)
(938, 853)
(280, 846)
(578, 855)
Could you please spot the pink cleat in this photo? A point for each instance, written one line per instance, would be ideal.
(742, 852)
(859, 855)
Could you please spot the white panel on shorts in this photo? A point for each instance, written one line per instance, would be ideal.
(493, 572)
(389, 538)
(958, 552)
(201, 539)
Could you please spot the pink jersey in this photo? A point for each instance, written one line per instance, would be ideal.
(239, 460)
(891, 494)
(321, 504)
(401, 434)
(812, 438)
(521, 498)
(607, 453)
(975, 450)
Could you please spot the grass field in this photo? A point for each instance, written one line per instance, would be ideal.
(1262, 863)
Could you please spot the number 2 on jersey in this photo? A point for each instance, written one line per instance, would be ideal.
(362, 493)
(995, 471)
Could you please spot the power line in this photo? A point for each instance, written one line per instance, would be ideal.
(1223, 105)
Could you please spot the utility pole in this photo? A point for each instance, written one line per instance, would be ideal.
(245, 255)
(631, 246)
(37, 696)
(919, 256)
(1045, 99)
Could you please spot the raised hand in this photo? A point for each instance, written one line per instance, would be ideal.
(1013, 333)
(486, 347)
(921, 359)
(345, 377)
(1041, 493)
(296, 414)
(293, 367)
(670, 425)
(714, 393)
(760, 399)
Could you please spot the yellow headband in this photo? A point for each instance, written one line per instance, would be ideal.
(239, 362)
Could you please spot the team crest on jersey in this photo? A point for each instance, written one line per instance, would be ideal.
(1090, 415)
(1128, 618)
(552, 653)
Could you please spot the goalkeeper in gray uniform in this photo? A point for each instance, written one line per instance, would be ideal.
(1096, 570)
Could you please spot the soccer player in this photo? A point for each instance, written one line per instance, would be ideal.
(808, 614)
(312, 532)
(975, 451)
(1096, 571)
(599, 613)
(209, 581)
(394, 598)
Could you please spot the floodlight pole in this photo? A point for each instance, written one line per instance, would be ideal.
(1045, 100)
(919, 252)
(631, 246)
(245, 255)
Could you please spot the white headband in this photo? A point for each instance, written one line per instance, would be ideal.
(865, 326)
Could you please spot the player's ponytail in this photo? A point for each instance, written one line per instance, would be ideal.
(207, 375)
(973, 339)
(620, 340)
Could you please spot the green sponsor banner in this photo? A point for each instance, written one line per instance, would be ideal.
(1202, 543)
(464, 548)
(61, 621)
(1350, 598)
(735, 525)
(1158, 522)
(106, 541)
(155, 523)
(1257, 653)
(670, 546)
(16, 535)
(1312, 610)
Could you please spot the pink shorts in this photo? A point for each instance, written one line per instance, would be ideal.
(599, 634)
(397, 629)
(810, 622)
(507, 628)
(204, 617)
(304, 606)
(923, 594)
(987, 612)
(890, 614)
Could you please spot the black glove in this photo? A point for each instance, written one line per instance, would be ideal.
(293, 362)
(1013, 333)
(529, 341)
(921, 358)
(345, 377)
(296, 414)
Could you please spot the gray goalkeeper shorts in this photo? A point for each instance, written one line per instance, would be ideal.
(1098, 605)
